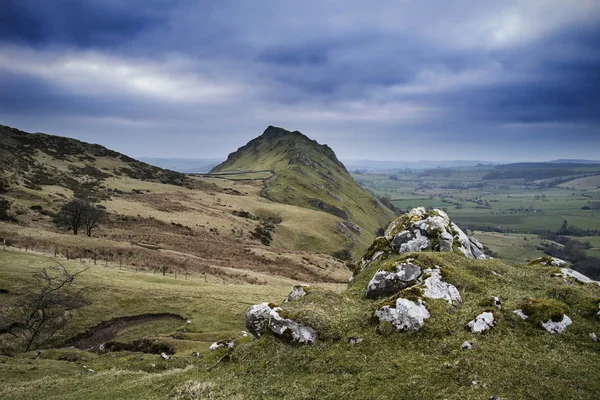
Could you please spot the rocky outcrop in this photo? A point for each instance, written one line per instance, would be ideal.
(482, 322)
(406, 316)
(386, 283)
(423, 230)
(262, 316)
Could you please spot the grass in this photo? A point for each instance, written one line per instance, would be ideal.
(516, 359)
(305, 172)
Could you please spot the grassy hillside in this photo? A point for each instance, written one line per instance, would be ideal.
(36, 160)
(515, 359)
(308, 174)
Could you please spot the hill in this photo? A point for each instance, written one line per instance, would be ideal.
(308, 174)
(36, 160)
(157, 217)
(411, 339)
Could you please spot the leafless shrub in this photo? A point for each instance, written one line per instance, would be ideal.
(41, 312)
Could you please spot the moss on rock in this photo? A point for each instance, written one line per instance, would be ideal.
(543, 310)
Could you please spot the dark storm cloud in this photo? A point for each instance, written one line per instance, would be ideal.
(85, 23)
(367, 79)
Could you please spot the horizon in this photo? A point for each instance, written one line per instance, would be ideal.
(516, 81)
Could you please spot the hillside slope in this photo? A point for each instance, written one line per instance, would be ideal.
(308, 174)
(33, 160)
(157, 217)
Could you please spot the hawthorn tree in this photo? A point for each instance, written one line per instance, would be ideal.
(79, 213)
(41, 312)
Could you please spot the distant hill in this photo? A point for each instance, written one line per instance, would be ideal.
(184, 165)
(33, 160)
(374, 165)
(574, 161)
(309, 175)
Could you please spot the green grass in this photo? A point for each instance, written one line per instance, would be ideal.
(307, 171)
(516, 359)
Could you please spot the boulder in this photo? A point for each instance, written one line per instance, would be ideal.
(297, 292)
(290, 329)
(435, 288)
(482, 322)
(261, 316)
(257, 317)
(386, 283)
(557, 327)
(466, 346)
(406, 316)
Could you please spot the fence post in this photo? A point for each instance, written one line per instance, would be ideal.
(4, 243)
(67, 253)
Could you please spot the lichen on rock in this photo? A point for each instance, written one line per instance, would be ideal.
(284, 327)
(422, 230)
(405, 316)
(386, 283)
(436, 288)
(260, 316)
(297, 292)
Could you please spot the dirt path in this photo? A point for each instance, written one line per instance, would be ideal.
(107, 330)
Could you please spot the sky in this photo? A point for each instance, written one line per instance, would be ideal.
(404, 80)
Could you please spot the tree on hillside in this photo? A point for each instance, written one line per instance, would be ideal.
(78, 213)
(92, 217)
(4, 208)
(41, 312)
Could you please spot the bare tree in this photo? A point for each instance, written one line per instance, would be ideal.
(93, 216)
(41, 312)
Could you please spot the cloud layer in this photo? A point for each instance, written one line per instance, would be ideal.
(396, 80)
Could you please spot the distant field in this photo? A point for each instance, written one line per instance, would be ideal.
(588, 183)
(519, 199)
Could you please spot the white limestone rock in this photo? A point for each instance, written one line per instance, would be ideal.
(407, 316)
(466, 346)
(257, 317)
(297, 292)
(568, 272)
(299, 333)
(520, 314)
(496, 302)
(594, 337)
(557, 327)
(482, 322)
(406, 242)
(435, 288)
(386, 283)
(221, 344)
